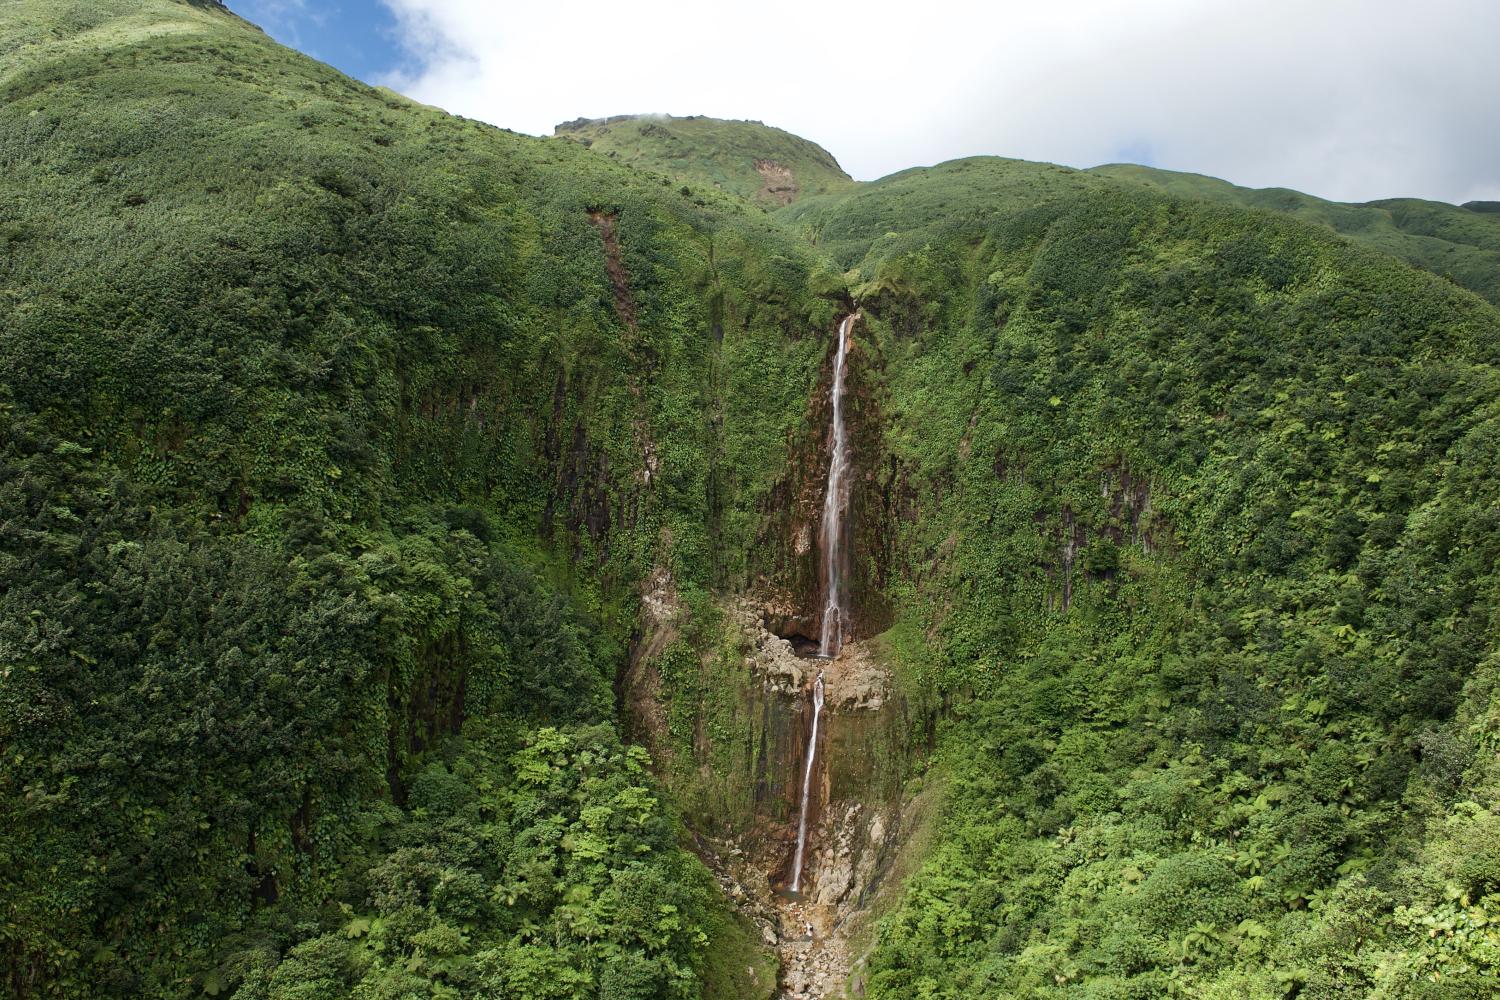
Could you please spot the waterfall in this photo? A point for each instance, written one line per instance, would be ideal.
(812, 753)
(834, 502)
(834, 614)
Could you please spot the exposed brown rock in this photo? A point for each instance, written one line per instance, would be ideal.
(780, 185)
(792, 511)
(614, 266)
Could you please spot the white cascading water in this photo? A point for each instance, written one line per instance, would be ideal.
(834, 502)
(832, 637)
(812, 752)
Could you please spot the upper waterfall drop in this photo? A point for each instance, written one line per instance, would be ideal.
(835, 502)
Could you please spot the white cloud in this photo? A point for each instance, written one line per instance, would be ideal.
(1349, 99)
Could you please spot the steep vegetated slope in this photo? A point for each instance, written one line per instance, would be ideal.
(750, 159)
(342, 439)
(337, 433)
(1205, 541)
(1461, 243)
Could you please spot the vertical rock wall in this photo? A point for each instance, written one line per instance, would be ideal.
(791, 585)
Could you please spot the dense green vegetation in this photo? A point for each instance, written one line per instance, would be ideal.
(749, 159)
(332, 456)
(1461, 244)
(338, 436)
(1209, 534)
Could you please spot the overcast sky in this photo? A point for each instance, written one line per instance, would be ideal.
(1347, 99)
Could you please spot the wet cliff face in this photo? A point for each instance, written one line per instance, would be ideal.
(725, 707)
(720, 690)
(856, 815)
(863, 755)
(791, 586)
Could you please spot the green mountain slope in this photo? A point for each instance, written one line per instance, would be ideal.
(749, 159)
(1458, 243)
(343, 444)
(1207, 534)
(336, 435)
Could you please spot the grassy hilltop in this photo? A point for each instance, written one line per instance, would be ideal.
(1460, 243)
(339, 438)
(750, 159)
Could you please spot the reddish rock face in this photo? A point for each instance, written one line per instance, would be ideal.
(780, 184)
(792, 584)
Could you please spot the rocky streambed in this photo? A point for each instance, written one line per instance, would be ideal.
(736, 762)
(854, 810)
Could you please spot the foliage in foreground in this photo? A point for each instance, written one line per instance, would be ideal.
(546, 872)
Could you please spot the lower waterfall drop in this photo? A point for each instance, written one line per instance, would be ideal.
(812, 753)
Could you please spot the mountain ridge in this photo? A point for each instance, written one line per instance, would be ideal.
(1460, 243)
(1453, 241)
(749, 158)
